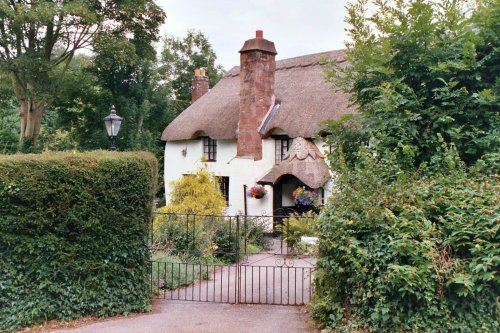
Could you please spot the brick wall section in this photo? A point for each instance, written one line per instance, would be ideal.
(199, 86)
(257, 69)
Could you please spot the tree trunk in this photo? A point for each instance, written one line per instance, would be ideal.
(139, 126)
(31, 120)
(30, 112)
(23, 111)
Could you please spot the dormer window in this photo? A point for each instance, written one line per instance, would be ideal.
(282, 144)
(209, 149)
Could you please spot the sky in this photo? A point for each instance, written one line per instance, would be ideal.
(296, 27)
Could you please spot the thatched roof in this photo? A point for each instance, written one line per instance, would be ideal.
(304, 161)
(300, 88)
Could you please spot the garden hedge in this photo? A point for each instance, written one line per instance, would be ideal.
(412, 252)
(74, 235)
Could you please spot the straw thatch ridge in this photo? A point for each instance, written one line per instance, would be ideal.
(306, 100)
(304, 161)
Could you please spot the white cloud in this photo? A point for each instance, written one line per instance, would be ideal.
(297, 27)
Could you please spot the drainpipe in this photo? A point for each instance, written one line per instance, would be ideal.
(245, 199)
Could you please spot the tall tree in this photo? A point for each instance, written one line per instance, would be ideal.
(424, 71)
(407, 238)
(134, 87)
(39, 39)
(179, 59)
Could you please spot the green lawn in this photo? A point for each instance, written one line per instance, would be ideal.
(170, 272)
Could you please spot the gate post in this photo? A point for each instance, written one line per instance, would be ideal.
(237, 281)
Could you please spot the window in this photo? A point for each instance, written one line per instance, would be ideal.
(282, 144)
(210, 149)
(224, 187)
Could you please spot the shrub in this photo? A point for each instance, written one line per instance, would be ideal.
(254, 233)
(410, 252)
(197, 193)
(191, 222)
(195, 235)
(213, 235)
(74, 235)
(296, 226)
(8, 142)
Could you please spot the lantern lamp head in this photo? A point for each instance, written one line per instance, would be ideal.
(113, 123)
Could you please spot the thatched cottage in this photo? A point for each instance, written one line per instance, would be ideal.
(258, 125)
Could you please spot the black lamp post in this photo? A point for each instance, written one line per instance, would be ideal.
(113, 123)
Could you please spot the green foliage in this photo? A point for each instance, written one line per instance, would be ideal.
(8, 142)
(254, 233)
(36, 45)
(296, 226)
(171, 272)
(8, 128)
(409, 241)
(179, 59)
(74, 238)
(347, 134)
(195, 236)
(488, 164)
(91, 86)
(208, 236)
(94, 84)
(199, 194)
(419, 69)
(409, 251)
(9, 117)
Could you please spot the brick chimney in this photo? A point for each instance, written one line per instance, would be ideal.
(257, 69)
(199, 84)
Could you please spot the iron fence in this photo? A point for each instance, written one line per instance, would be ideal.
(229, 259)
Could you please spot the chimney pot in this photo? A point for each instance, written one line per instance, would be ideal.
(199, 85)
(259, 34)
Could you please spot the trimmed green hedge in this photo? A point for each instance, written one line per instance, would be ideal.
(74, 235)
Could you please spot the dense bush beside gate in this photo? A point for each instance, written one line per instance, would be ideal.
(409, 243)
(74, 235)
(410, 252)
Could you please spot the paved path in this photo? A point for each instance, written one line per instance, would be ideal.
(184, 317)
(265, 278)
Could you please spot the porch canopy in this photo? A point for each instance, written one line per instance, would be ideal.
(304, 161)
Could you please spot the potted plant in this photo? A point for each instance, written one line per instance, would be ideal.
(304, 197)
(257, 192)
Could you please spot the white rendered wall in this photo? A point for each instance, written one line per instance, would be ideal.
(241, 171)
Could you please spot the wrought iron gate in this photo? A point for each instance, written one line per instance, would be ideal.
(227, 259)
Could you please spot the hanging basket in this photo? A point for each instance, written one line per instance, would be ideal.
(304, 197)
(257, 192)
